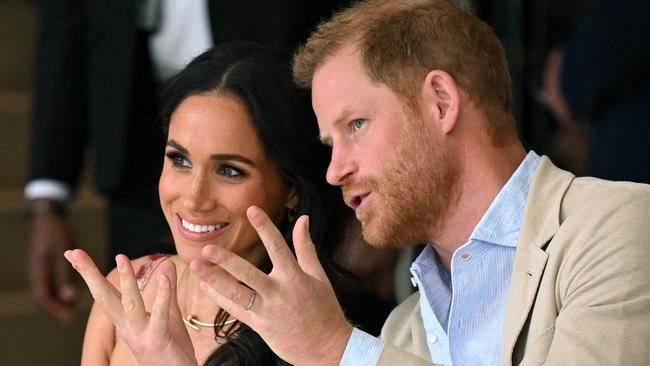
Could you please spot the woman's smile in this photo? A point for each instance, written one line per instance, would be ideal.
(199, 230)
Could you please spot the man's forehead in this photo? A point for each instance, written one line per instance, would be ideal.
(340, 73)
(347, 55)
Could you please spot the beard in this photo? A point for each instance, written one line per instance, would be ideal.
(413, 193)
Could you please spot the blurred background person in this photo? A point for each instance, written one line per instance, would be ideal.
(598, 80)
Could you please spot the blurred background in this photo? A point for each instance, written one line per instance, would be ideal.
(529, 29)
(28, 336)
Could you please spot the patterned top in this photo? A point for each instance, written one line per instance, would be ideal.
(144, 272)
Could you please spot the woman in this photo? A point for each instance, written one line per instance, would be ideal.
(238, 134)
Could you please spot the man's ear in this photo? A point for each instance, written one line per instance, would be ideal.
(441, 98)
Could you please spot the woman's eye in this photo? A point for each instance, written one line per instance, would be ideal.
(358, 123)
(230, 172)
(178, 160)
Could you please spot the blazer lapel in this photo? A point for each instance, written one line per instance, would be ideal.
(420, 346)
(541, 221)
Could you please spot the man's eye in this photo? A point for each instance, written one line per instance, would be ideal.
(358, 123)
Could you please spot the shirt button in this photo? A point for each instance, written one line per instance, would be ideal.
(414, 282)
(432, 338)
(465, 256)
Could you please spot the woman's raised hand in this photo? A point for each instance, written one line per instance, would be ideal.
(156, 338)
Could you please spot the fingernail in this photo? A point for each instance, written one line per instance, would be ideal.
(307, 224)
(253, 215)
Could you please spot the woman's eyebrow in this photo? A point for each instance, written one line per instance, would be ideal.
(232, 157)
(219, 157)
(177, 146)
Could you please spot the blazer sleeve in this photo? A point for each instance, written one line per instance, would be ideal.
(59, 128)
(603, 296)
(607, 55)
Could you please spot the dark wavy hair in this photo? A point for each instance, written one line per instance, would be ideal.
(260, 78)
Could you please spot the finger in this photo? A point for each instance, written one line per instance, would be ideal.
(235, 310)
(132, 303)
(53, 306)
(223, 283)
(306, 251)
(101, 289)
(236, 266)
(160, 310)
(276, 247)
(168, 268)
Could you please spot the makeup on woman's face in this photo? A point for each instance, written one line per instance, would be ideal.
(214, 169)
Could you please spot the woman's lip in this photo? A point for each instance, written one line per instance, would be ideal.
(193, 236)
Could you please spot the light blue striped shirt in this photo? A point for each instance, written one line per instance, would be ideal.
(463, 310)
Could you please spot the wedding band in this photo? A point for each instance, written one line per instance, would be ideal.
(250, 303)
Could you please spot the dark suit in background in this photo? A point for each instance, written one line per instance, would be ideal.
(606, 81)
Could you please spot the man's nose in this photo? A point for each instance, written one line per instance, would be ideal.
(341, 167)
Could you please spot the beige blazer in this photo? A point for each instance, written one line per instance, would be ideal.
(580, 289)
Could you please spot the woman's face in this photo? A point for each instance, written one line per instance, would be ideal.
(214, 169)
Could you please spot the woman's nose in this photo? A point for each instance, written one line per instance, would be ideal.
(199, 196)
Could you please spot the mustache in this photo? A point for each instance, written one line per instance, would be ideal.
(366, 185)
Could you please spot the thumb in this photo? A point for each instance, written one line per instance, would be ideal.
(306, 251)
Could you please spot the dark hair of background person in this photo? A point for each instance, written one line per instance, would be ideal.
(260, 78)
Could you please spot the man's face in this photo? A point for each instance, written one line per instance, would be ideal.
(394, 168)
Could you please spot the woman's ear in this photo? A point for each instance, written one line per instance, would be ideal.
(441, 99)
(292, 199)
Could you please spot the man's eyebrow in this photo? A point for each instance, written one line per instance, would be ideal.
(220, 157)
(325, 139)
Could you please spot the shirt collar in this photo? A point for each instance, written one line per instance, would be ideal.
(501, 222)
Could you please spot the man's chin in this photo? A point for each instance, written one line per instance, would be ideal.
(376, 236)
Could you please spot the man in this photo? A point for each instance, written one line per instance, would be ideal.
(98, 67)
(525, 263)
